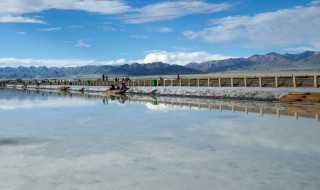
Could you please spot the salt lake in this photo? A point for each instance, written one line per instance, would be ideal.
(65, 141)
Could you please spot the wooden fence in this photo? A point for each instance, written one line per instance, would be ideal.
(245, 81)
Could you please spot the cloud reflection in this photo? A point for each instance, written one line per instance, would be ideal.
(14, 104)
(160, 107)
(272, 134)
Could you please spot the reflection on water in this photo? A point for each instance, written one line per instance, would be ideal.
(77, 141)
(13, 99)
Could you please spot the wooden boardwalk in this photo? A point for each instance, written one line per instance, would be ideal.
(237, 81)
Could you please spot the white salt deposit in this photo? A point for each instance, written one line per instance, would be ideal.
(254, 93)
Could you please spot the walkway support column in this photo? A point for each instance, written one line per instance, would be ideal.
(260, 82)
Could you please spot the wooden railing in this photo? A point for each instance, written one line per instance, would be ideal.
(237, 81)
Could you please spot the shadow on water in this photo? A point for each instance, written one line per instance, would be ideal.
(260, 107)
(20, 141)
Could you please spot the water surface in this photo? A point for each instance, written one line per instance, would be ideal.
(62, 141)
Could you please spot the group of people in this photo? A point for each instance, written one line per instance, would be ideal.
(177, 77)
(123, 79)
(120, 86)
(2, 84)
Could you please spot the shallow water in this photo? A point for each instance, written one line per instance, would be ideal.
(58, 141)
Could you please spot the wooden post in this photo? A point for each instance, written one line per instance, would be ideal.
(296, 115)
(157, 82)
(180, 82)
(276, 81)
(260, 82)
(188, 82)
(278, 113)
(294, 81)
(208, 82)
(144, 82)
(164, 82)
(245, 82)
(231, 81)
(132, 82)
(219, 81)
(171, 82)
(315, 81)
(198, 82)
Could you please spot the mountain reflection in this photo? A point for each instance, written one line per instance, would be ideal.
(11, 99)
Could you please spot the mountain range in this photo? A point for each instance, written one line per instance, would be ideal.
(268, 62)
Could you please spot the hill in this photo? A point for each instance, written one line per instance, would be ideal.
(268, 62)
(156, 68)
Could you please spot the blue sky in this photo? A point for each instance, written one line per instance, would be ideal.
(96, 32)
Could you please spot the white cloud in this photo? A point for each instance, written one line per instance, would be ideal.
(22, 33)
(9, 18)
(165, 30)
(12, 10)
(315, 2)
(298, 26)
(76, 26)
(49, 29)
(83, 43)
(172, 9)
(301, 49)
(178, 58)
(139, 37)
(14, 62)
(181, 58)
(118, 62)
(15, 10)
(108, 28)
(180, 48)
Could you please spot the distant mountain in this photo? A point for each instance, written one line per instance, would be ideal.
(221, 65)
(270, 61)
(156, 68)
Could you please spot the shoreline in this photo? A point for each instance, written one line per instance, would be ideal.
(235, 93)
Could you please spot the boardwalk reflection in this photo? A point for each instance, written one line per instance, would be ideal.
(247, 107)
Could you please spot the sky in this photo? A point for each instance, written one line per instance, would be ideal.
(68, 33)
